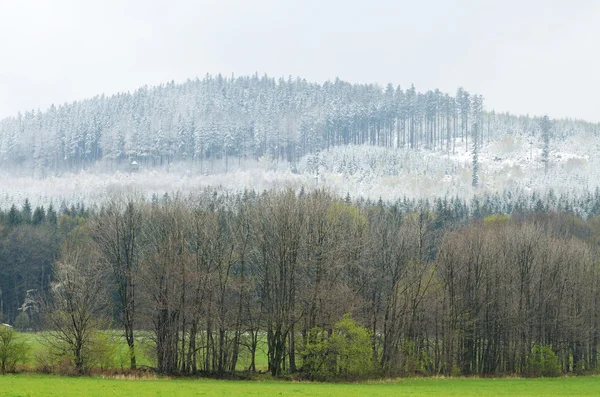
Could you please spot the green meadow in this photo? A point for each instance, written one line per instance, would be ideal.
(54, 386)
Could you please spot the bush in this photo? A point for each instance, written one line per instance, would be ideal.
(54, 357)
(317, 362)
(13, 351)
(455, 371)
(22, 322)
(101, 351)
(542, 361)
(343, 352)
(47, 360)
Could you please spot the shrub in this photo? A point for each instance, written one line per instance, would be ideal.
(13, 351)
(542, 361)
(22, 322)
(47, 360)
(455, 371)
(57, 356)
(343, 352)
(103, 351)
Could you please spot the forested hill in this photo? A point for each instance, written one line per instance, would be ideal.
(251, 117)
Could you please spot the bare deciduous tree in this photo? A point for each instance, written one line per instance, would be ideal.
(116, 234)
(79, 305)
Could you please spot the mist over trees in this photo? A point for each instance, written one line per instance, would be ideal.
(239, 118)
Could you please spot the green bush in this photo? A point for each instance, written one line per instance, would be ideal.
(54, 357)
(343, 352)
(13, 351)
(542, 361)
(317, 362)
(46, 359)
(103, 351)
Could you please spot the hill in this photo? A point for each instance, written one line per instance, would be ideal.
(259, 132)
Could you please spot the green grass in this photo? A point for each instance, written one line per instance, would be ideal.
(51, 386)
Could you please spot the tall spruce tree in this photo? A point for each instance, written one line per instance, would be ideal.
(475, 128)
(545, 126)
(26, 212)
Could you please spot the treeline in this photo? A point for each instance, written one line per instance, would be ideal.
(216, 117)
(31, 236)
(30, 240)
(318, 279)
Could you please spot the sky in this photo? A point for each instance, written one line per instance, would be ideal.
(526, 57)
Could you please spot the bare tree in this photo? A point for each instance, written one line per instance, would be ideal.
(164, 280)
(279, 224)
(79, 303)
(116, 234)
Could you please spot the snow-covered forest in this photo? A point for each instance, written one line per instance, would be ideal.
(263, 133)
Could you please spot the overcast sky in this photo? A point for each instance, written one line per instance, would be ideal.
(523, 56)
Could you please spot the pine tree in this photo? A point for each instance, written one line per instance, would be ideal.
(26, 212)
(14, 216)
(546, 126)
(51, 217)
(465, 102)
(477, 109)
(38, 216)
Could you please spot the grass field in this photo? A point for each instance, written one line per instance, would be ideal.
(51, 386)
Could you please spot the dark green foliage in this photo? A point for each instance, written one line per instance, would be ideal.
(39, 216)
(28, 246)
(51, 217)
(14, 216)
(26, 212)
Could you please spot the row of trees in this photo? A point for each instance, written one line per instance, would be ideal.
(426, 293)
(31, 236)
(248, 117)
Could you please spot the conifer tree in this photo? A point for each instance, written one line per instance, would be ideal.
(545, 126)
(38, 216)
(477, 109)
(26, 212)
(14, 216)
